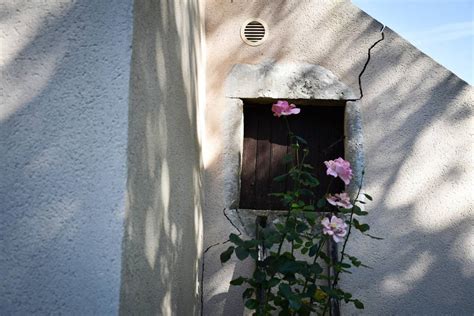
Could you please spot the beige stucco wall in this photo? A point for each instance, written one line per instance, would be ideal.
(417, 121)
(163, 222)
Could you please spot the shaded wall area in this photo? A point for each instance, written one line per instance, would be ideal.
(163, 224)
(63, 132)
(417, 124)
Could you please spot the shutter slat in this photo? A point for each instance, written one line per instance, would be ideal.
(265, 145)
(263, 159)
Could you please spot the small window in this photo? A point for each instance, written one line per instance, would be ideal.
(266, 143)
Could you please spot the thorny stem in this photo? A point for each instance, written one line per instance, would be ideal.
(288, 214)
(336, 276)
(321, 243)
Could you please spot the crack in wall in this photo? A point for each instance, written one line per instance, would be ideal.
(361, 93)
(201, 287)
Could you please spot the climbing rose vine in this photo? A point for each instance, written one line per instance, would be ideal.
(290, 276)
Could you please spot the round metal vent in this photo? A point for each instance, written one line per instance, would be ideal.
(254, 32)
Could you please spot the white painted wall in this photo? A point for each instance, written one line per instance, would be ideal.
(63, 134)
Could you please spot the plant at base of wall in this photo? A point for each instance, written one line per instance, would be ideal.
(292, 278)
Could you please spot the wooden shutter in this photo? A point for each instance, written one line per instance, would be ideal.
(266, 143)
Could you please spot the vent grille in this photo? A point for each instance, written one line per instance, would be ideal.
(254, 32)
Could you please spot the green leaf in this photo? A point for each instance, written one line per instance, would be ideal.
(358, 304)
(358, 211)
(301, 140)
(281, 178)
(301, 227)
(238, 281)
(289, 267)
(248, 293)
(310, 215)
(295, 303)
(356, 262)
(325, 257)
(288, 158)
(368, 197)
(251, 303)
(285, 290)
(273, 282)
(225, 256)
(235, 239)
(321, 203)
(241, 253)
(297, 246)
(316, 268)
(345, 210)
(345, 265)
(312, 250)
(253, 254)
(362, 227)
(281, 227)
(259, 276)
(295, 205)
(280, 195)
(250, 243)
(306, 192)
(347, 297)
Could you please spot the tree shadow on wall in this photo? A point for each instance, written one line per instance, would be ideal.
(161, 244)
(407, 96)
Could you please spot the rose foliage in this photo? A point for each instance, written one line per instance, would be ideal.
(291, 276)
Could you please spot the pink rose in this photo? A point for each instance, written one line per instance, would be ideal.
(283, 108)
(339, 168)
(342, 200)
(336, 228)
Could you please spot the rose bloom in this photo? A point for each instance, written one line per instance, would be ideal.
(340, 199)
(339, 168)
(336, 228)
(283, 108)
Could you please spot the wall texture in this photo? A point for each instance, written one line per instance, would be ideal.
(163, 225)
(417, 121)
(64, 161)
(63, 133)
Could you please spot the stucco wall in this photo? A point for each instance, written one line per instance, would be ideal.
(63, 134)
(417, 121)
(163, 226)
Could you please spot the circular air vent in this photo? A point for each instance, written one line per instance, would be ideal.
(254, 32)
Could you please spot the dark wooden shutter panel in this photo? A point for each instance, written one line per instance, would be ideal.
(266, 143)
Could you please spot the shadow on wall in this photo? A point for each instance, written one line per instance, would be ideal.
(218, 296)
(63, 131)
(417, 169)
(162, 240)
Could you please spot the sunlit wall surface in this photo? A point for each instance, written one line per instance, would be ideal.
(63, 135)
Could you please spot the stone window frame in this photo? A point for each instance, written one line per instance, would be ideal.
(273, 80)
